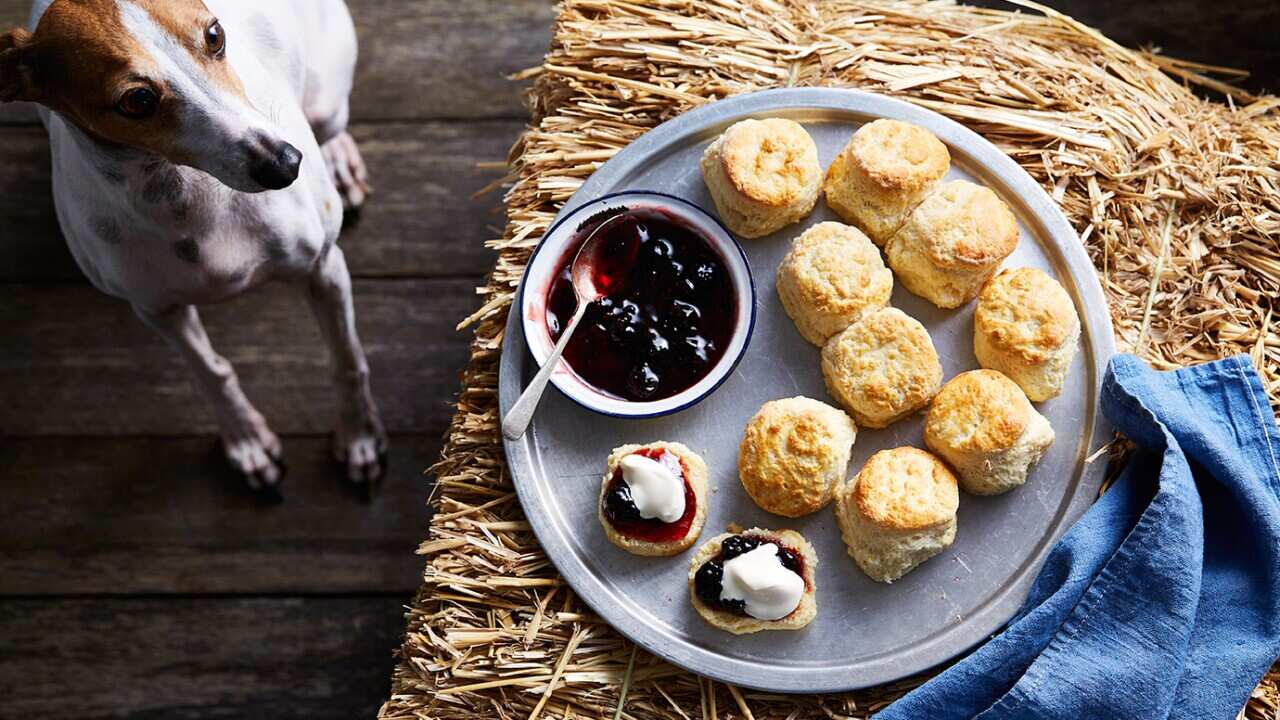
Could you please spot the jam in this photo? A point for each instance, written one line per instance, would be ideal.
(622, 513)
(707, 582)
(667, 315)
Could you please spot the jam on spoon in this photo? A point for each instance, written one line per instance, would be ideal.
(666, 313)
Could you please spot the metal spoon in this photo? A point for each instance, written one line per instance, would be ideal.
(586, 291)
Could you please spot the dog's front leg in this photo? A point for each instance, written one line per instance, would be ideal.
(360, 443)
(249, 445)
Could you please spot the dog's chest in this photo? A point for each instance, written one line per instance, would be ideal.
(174, 236)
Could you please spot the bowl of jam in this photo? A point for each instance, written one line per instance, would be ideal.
(677, 317)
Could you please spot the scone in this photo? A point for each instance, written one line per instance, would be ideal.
(653, 498)
(832, 276)
(793, 454)
(952, 243)
(763, 175)
(899, 511)
(1027, 328)
(882, 368)
(884, 171)
(755, 580)
(983, 424)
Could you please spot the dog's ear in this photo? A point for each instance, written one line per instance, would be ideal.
(18, 67)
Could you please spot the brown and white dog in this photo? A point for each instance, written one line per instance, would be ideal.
(200, 149)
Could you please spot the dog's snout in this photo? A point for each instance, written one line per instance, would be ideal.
(278, 167)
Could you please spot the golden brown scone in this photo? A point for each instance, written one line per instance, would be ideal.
(983, 425)
(804, 613)
(884, 171)
(1027, 328)
(695, 470)
(952, 243)
(897, 512)
(882, 368)
(832, 276)
(793, 454)
(763, 175)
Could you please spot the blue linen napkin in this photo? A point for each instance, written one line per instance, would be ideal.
(1163, 601)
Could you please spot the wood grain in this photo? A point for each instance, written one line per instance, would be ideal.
(188, 659)
(120, 516)
(422, 220)
(419, 60)
(77, 362)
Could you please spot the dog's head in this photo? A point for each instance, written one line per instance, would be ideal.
(151, 75)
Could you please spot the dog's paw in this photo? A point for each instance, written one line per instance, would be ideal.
(347, 169)
(362, 457)
(258, 459)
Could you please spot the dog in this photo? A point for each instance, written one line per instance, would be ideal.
(200, 149)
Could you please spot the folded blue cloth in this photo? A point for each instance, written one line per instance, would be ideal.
(1163, 601)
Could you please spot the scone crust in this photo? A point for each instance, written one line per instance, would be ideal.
(830, 278)
(882, 174)
(962, 225)
(906, 489)
(1026, 314)
(697, 476)
(898, 155)
(793, 454)
(977, 411)
(882, 368)
(804, 613)
(762, 175)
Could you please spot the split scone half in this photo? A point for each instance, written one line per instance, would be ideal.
(882, 174)
(882, 368)
(986, 428)
(793, 454)
(1026, 326)
(952, 243)
(831, 277)
(763, 175)
(755, 580)
(897, 512)
(653, 498)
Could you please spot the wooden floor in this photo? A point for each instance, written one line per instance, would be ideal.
(137, 579)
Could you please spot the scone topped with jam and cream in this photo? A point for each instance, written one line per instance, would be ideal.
(763, 175)
(653, 498)
(755, 580)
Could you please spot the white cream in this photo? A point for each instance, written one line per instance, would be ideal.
(655, 490)
(758, 578)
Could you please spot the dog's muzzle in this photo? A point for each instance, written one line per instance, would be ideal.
(278, 168)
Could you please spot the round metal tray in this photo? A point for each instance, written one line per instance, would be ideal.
(865, 633)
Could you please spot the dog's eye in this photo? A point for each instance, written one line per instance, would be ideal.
(139, 103)
(216, 39)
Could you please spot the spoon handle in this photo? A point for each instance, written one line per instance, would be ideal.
(521, 414)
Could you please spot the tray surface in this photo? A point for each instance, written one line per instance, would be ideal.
(865, 633)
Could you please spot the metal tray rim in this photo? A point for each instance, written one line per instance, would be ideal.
(1099, 346)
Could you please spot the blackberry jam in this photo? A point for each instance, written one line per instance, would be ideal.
(621, 511)
(708, 581)
(666, 319)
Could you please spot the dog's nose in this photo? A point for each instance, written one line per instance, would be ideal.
(278, 169)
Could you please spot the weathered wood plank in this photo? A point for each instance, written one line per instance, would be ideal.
(123, 516)
(419, 60)
(76, 362)
(421, 222)
(147, 659)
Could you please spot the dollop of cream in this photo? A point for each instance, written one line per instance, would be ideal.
(758, 578)
(655, 490)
